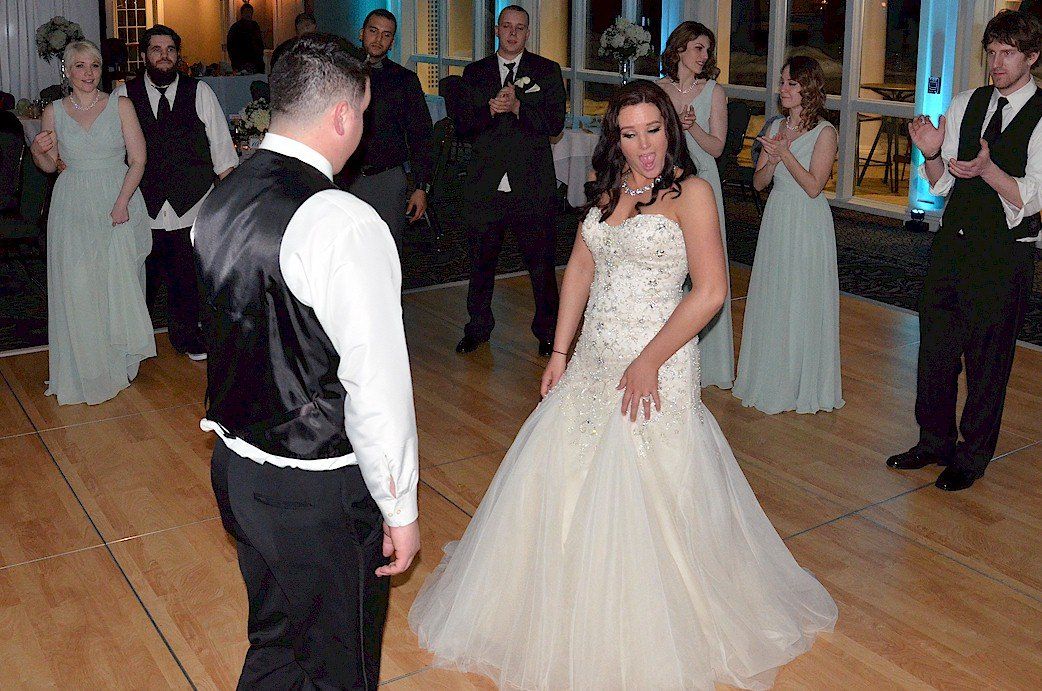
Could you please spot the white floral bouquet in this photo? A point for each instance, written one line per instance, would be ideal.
(624, 41)
(54, 35)
(255, 117)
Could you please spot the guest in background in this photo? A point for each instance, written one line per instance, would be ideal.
(246, 43)
(398, 130)
(98, 328)
(789, 358)
(304, 24)
(6, 101)
(689, 63)
(517, 102)
(189, 146)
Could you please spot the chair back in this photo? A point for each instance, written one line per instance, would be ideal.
(12, 153)
(737, 123)
(453, 90)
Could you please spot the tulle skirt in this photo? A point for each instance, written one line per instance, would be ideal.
(615, 555)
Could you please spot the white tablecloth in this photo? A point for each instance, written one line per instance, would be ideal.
(233, 92)
(31, 127)
(573, 161)
(436, 106)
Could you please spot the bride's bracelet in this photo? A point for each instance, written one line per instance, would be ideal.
(560, 353)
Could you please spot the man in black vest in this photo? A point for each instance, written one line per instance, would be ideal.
(986, 157)
(245, 43)
(517, 102)
(398, 130)
(189, 146)
(315, 466)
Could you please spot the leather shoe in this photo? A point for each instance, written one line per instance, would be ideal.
(953, 479)
(915, 458)
(546, 348)
(468, 344)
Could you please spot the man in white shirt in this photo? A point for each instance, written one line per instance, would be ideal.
(315, 467)
(189, 146)
(986, 157)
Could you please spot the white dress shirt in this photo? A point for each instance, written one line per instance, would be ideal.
(1030, 185)
(338, 257)
(504, 184)
(222, 150)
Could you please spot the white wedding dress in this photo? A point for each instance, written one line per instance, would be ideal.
(615, 555)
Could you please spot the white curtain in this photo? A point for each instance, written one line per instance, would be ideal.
(22, 71)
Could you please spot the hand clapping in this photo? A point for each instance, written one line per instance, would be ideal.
(687, 118)
(774, 147)
(974, 167)
(925, 136)
(504, 102)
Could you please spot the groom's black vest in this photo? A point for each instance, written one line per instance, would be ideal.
(973, 207)
(272, 370)
(179, 168)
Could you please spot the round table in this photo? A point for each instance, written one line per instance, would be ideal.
(31, 127)
(573, 161)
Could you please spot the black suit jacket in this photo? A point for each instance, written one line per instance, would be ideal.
(517, 146)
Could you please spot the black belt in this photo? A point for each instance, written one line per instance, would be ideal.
(371, 170)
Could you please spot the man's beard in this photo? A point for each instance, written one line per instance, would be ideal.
(161, 76)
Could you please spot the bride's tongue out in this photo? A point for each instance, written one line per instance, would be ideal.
(649, 164)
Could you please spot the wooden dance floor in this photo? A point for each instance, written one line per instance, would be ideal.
(115, 571)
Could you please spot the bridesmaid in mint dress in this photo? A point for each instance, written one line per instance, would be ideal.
(789, 359)
(98, 236)
(689, 63)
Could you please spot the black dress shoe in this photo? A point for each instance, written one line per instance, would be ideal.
(468, 344)
(915, 458)
(546, 348)
(953, 479)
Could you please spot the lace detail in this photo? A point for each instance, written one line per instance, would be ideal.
(640, 266)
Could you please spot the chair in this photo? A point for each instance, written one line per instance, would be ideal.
(12, 149)
(23, 225)
(54, 92)
(731, 172)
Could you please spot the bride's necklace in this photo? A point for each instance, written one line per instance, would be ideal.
(636, 192)
(77, 106)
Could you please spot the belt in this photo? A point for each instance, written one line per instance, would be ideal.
(371, 170)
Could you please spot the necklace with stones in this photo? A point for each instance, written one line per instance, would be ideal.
(77, 106)
(636, 192)
(676, 85)
(789, 126)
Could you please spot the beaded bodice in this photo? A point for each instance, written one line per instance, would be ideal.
(640, 266)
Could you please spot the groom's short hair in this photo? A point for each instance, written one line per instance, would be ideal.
(514, 8)
(316, 71)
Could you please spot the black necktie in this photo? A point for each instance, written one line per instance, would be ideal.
(164, 104)
(994, 128)
(509, 79)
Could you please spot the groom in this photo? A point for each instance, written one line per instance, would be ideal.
(986, 157)
(516, 103)
(315, 464)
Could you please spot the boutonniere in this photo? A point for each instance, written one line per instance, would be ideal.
(523, 84)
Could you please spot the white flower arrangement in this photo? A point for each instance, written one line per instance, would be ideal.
(256, 116)
(624, 41)
(54, 35)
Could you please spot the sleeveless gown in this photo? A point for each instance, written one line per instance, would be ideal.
(98, 326)
(789, 359)
(716, 342)
(608, 554)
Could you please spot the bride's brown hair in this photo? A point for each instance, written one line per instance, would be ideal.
(609, 163)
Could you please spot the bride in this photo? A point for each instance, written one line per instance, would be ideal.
(619, 545)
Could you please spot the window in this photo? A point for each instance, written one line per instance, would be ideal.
(427, 27)
(461, 29)
(890, 49)
(650, 18)
(817, 30)
(130, 23)
(742, 42)
(555, 31)
(601, 15)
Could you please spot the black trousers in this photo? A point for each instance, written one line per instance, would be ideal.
(535, 233)
(171, 263)
(972, 310)
(309, 543)
(388, 193)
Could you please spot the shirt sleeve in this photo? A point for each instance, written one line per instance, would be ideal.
(338, 257)
(1029, 186)
(222, 150)
(950, 147)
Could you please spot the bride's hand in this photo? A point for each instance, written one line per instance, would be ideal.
(640, 382)
(553, 373)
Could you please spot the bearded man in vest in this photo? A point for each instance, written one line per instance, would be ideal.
(189, 147)
(315, 467)
(986, 157)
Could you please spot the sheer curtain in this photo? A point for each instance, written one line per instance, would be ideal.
(22, 71)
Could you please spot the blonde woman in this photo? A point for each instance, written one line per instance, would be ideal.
(98, 328)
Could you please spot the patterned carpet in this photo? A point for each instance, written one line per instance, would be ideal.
(878, 259)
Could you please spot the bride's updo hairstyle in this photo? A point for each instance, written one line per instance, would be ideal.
(609, 163)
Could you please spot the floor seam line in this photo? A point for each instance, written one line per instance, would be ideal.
(163, 530)
(47, 557)
(460, 460)
(443, 496)
(406, 675)
(855, 511)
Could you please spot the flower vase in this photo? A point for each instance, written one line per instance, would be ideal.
(626, 70)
